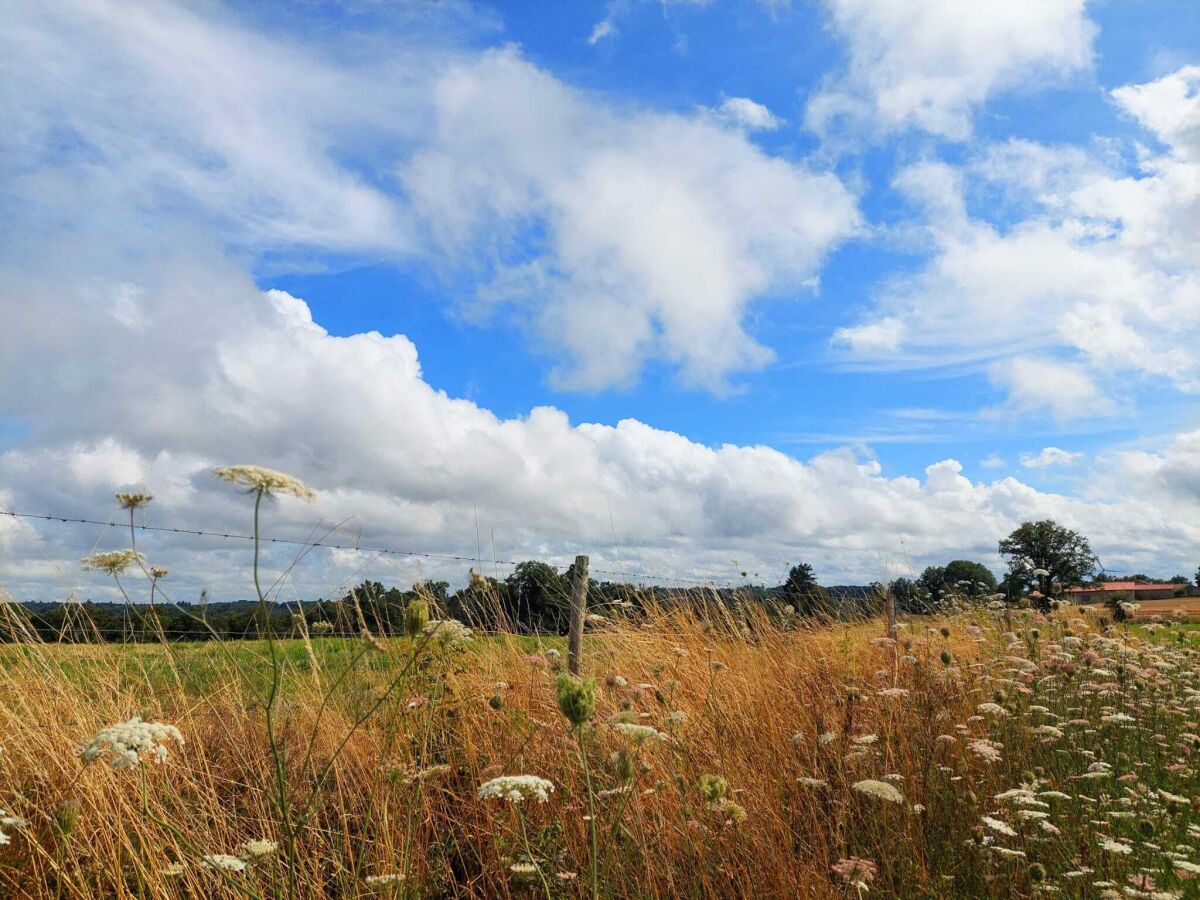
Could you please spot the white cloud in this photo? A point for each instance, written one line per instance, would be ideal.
(601, 30)
(993, 461)
(405, 465)
(746, 113)
(928, 64)
(623, 235)
(658, 230)
(1095, 279)
(1050, 456)
(881, 336)
(1066, 391)
(1169, 107)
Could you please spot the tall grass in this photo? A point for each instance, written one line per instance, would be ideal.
(723, 754)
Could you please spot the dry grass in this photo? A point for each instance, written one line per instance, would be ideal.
(755, 701)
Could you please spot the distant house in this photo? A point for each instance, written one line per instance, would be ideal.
(1139, 590)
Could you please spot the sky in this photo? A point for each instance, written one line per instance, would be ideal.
(696, 288)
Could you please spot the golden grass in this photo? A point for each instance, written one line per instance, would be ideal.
(754, 707)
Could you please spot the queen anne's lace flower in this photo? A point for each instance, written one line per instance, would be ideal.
(447, 632)
(265, 481)
(114, 562)
(879, 789)
(223, 862)
(7, 821)
(253, 850)
(516, 788)
(126, 745)
(639, 733)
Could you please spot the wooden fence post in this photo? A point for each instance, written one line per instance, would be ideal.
(579, 586)
(889, 604)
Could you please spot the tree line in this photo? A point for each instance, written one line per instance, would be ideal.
(1043, 560)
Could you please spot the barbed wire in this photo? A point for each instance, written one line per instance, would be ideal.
(388, 551)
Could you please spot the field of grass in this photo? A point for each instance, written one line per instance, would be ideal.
(784, 760)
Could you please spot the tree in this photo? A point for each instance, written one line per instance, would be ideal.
(911, 596)
(1198, 576)
(540, 597)
(802, 591)
(973, 579)
(1064, 556)
(933, 581)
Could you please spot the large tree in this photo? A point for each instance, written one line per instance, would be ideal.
(1044, 554)
(973, 579)
(802, 591)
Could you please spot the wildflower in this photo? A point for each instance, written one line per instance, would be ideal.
(264, 481)
(114, 562)
(134, 500)
(175, 870)
(322, 627)
(158, 572)
(523, 870)
(855, 872)
(864, 740)
(999, 827)
(639, 733)
(388, 879)
(223, 862)
(449, 633)
(1008, 853)
(812, 782)
(255, 850)
(7, 821)
(566, 876)
(576, 698)
(879, 789)
(991, 709)
(894, 692)
(1115, 847)
(1118, 718)
(988, 751)
(827, 737)
(677, 718)
(516, 788)
(125, 745)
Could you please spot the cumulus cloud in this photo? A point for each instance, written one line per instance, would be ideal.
(1050, 456)
(746, 113)
(622, 235)
(1095, 277)
(398, 463)
(928, 64)
(656, 231)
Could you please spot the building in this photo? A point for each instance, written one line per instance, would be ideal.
(1137, 590)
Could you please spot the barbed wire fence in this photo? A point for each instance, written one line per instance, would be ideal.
(692, 579)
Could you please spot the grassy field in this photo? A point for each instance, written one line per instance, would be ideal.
(772, 760)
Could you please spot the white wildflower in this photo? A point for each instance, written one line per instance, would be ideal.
(1115, 846)
(999, 827)
(258, 849)
(639, 733)
(126, 745)
(223, 862)
(265, 481)
(879, 789)
(114, 562)
(515, 788)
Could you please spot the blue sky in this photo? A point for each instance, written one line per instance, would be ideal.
(866, 282)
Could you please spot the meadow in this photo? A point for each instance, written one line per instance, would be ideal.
(714, 752)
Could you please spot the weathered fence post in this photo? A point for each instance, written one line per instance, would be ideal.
(579, 586)
(889, 605)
